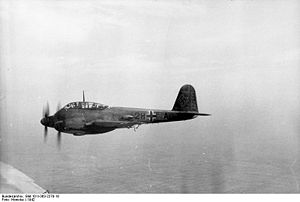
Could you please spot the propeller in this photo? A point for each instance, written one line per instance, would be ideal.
(46, 112)
(45, 134)
(46, 120)
(59, 140)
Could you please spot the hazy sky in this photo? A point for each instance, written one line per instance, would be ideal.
(242, 57)
(51, 50)
(239, 55)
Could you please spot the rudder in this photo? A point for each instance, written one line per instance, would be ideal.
(186, 99)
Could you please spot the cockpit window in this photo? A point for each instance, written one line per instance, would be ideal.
(85, 105)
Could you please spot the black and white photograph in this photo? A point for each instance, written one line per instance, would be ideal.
(150, 97)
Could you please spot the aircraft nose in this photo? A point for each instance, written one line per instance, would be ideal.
(43, 121)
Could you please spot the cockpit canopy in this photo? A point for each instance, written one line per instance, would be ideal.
(85, 105)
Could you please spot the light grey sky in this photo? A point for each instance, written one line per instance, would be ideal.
(139, 53)
(242, 57)
(237, 54)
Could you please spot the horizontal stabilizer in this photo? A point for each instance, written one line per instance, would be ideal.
(202, 114)
(196, 113)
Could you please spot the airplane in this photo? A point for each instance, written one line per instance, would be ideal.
(86, 118)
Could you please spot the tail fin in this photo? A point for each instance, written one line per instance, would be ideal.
(186, 99)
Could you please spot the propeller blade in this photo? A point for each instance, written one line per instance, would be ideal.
(58, 106)
(58, 139)
(45, 134)
(46, 110)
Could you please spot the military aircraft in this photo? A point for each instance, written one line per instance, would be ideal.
(83, 118)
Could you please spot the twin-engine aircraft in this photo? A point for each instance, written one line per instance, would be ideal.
(82, 118)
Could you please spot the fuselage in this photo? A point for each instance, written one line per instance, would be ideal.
(79, 118)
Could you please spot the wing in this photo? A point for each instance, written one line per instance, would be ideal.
(113, 124)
